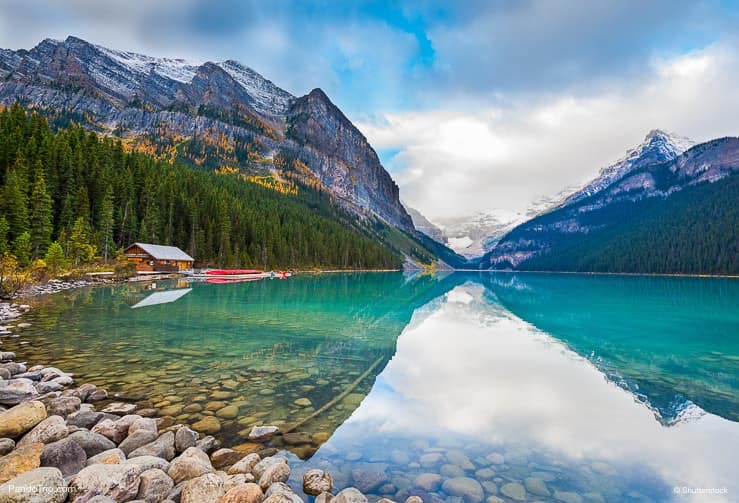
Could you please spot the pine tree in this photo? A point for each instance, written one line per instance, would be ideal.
(55, 258)
(4, 228)
(80, 249)
(105, 224)
(22, 249)
(15, 204)
(40, 216)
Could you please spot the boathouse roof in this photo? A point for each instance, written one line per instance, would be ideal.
(162, 252)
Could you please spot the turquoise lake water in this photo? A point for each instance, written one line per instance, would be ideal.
(458, 387)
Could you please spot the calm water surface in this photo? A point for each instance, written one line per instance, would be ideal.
(464, 387)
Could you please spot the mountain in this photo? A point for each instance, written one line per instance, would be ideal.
(218, 116)
(475, 235)
(660, 210)
(423, 224)
(211, 115)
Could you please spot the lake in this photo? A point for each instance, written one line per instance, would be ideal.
(456, 387)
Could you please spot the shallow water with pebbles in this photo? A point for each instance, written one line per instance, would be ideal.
(453, 388)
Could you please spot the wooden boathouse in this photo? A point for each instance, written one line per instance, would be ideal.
(160, 258)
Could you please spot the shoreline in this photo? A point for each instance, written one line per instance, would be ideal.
(74, 442)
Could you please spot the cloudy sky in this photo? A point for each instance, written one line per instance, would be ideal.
(473, 105)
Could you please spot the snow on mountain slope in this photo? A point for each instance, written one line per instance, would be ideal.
(658, 146)
(175, 69)
(268, 98)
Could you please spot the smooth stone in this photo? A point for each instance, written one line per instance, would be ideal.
(430, 459)
(495, 458)
(120, 408)
(120, 482)
(228, 412)
(221, 395)
(192, 408)
(49, 430)
(279, 492)
(205, 488)
(143, 423)
(303, 402)
(244, 493)
(155, 485)
(85, 419)
(206, 444)
(97, 396)
(369, 476)
(63, 406)
(317, 481)
(162, 447)
(262, 433)
(464, 487)
(16, 391)
(460, 459)
(66, 455)
(21, 460)
(278, 472)
(136, 440)
(225, 457)
(265, 463)
(514, 490)
(21, 418)
(190, 464)
(92, 443)
(485, 473)
(451, 471)
(42, 485)
(429, 482)
(6, 445)
(149, 462)
(245, 465)
(349, 495)
(207, 425)
(114, 430)
(214, 406)
(567, 497)
(536, 486)
(296, 438)
(184, 438)
(109, 457)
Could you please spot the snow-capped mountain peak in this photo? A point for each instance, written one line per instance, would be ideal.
(658, 146)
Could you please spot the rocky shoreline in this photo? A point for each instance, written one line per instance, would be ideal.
(60, 441)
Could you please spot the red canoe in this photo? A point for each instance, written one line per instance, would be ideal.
(230, 272)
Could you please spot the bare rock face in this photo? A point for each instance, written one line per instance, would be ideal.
(341, 158)
(142, 95)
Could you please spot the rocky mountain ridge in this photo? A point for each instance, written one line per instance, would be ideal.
(212, 115)
(657, 169)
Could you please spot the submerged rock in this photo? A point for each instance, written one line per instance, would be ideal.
(464, 487)
(262, 433)
(317, 481)
(514, 490)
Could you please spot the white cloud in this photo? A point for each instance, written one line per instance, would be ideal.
(505, 156)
